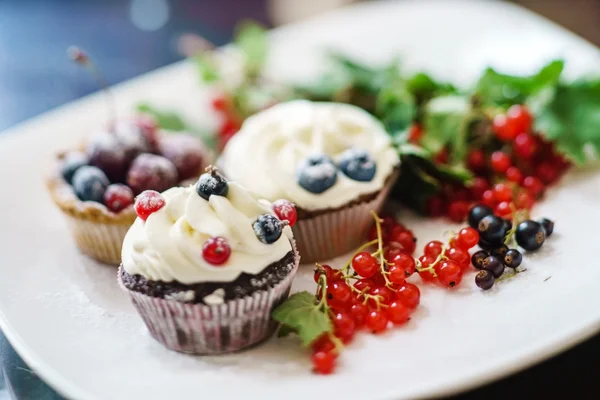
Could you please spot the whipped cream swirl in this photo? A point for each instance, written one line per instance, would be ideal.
(168, 245)
(267, 151)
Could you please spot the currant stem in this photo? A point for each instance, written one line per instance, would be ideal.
(380, 249)
(80, 57)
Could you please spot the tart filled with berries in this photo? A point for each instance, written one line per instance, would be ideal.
(95, 186)
(205, 265)
(334, 161)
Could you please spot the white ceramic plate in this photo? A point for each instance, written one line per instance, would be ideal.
(66, 316)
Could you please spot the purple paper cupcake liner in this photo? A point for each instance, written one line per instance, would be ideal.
(335, 233)
(213, 329)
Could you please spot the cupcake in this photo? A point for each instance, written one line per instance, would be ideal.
(206, 264)
(335, 162)
(94, 186)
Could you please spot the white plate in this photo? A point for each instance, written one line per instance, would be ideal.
(65, 315)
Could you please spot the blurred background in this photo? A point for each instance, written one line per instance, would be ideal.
(130, 37)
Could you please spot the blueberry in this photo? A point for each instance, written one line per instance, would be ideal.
(71, 163)
(513, 258)
(530, 235)
(548, 226)
(476, 214)
(90, 183)
(317, 173)
(492, 230)
(357, 164)
(212, 183)
(268, 228)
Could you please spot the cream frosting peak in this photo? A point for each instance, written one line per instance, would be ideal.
(168, 245)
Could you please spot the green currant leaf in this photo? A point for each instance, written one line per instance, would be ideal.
(424, 87)
(166, 119)
(495, 88)
(395, 107)
(251, 39)
(302, 314)
(206, 69)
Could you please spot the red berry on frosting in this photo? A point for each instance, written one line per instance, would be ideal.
(216, 250)
(285, 211)
(151, 172)
(147, 203)
(118, 197)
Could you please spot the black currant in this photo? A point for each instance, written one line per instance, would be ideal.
(530, 235)
(508, 225)
(484, 279)
(548, 226)
(212, 183)
(476, 214)
(513, 258)
(268, 228)
(494, 265)
(478, 257)
(499, 251)
(492, 229)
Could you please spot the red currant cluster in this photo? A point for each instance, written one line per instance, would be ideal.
(370, 292)
(231, 121)
(395, 236)
(447, 263)
(511, 173)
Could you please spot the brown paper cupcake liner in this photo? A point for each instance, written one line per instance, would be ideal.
(332, 234)
(213, 329)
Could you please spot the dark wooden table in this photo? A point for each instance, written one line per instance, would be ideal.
(35, 76)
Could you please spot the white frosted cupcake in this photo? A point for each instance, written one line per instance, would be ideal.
(205, 266)
(334, 161)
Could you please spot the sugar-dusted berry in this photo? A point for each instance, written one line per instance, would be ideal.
(185, 152)
(212, 183)
(151, 172)
(268, 228)
(148, 202)
(105, 152)
(118, 197)
(71, 163)
(317, 173)
(285, 211)
(90, 183)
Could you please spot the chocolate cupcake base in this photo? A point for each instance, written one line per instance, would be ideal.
(222, 321)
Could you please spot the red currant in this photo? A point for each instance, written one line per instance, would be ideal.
(285, 211)
(415, 133)
(534, 185)
(520, 117)
(525, 145)
(397, 274)
(441, 157)
(478, 187)
(488, 198)
(433, 248)
(409, 295)
(365, 264)
(398, 313)
(364, 284)
(219, 103)
(343, 326)
(547, 172)
(504, 209)
(500, 162)
(385, 295)
(426, 261)
(324, 362)
(449, 273)
(405, 240)
(502, 192)
(524, 200)
(504, 128)
(404, 261)
(436, 206)
(118, 197)
(460, 256)
(339, 295)
(323, 343)
(359, 312)
(467, 238)
(458, 210)
(216, 250)
(148, 202)
(376, 321)
(514, 174)
(476, 160)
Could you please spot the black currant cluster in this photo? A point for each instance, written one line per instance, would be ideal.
(494, 233)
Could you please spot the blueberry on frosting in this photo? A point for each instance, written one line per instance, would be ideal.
(358, 165)
(211, 183)
(268, 228)
(317, 173)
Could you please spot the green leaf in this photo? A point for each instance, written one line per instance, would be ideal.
(251, 39)
(362, 77)
(395, 107)
(301, 313)
(569, 116)
(495, 88)
(206, 69)
(424, 87)
(446, 121)
(285, 330)
(166, 119)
